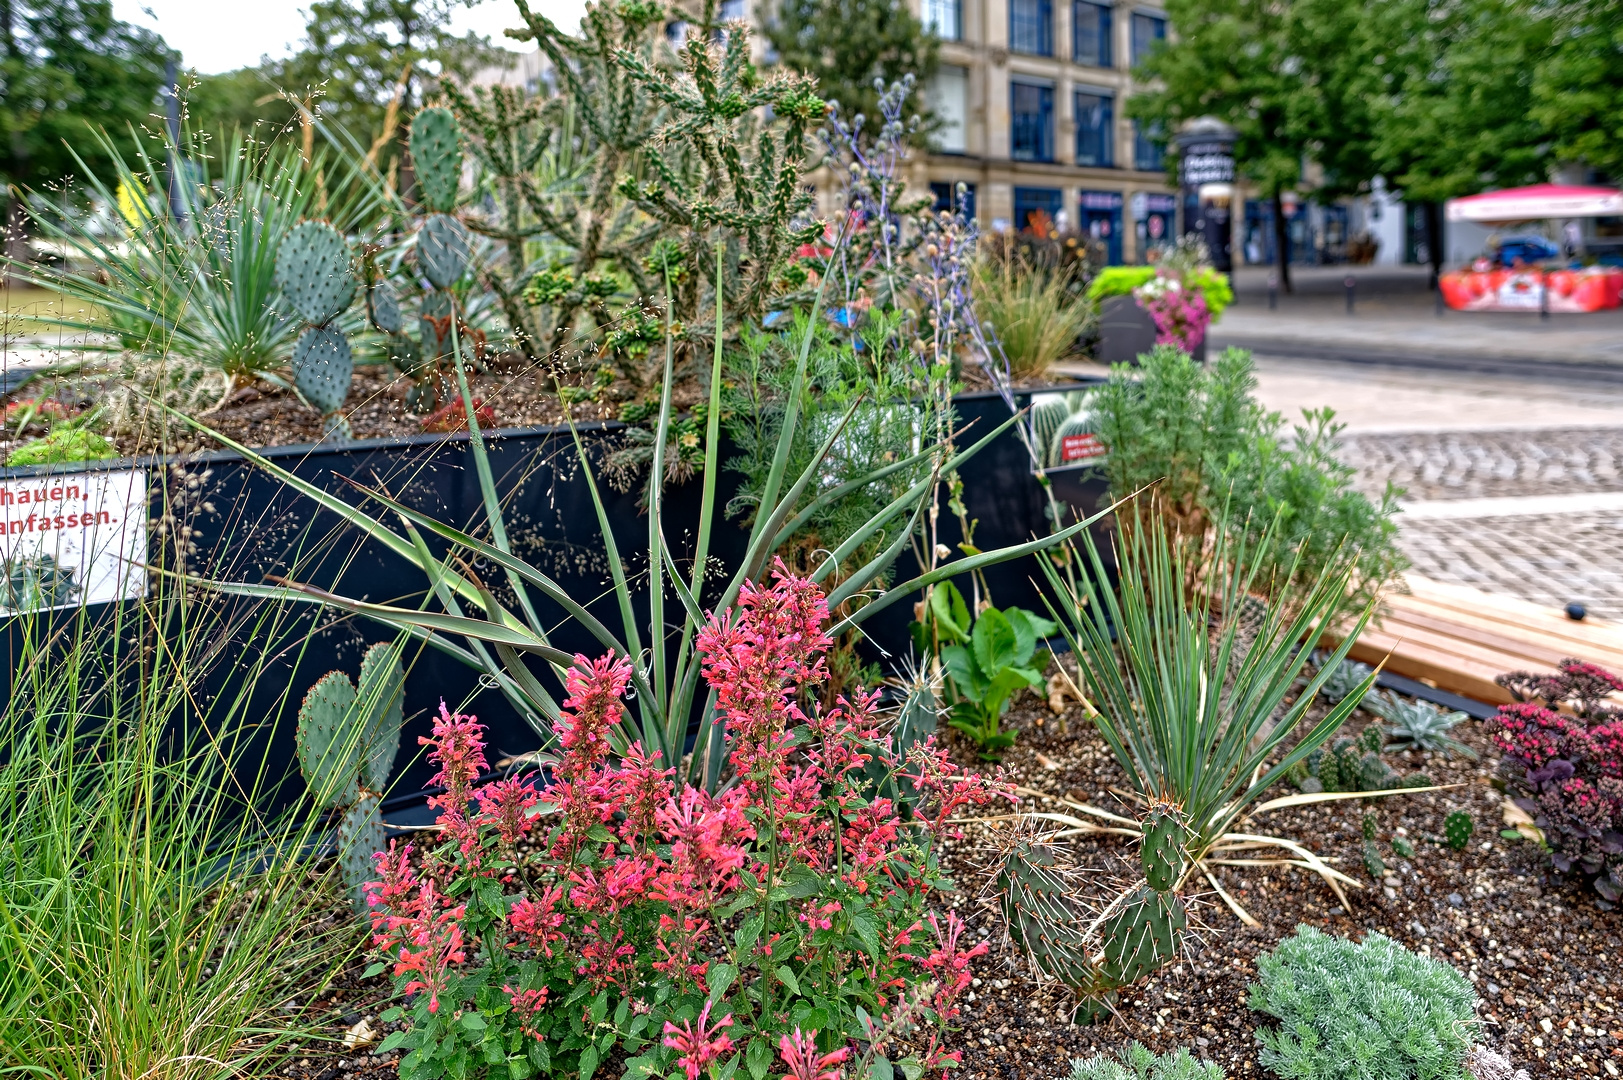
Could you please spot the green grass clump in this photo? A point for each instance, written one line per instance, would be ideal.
(1369, 1010)
(1139, 1064)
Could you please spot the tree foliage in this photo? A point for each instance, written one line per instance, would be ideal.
(1578, 90)
(848, 44)
(69, 65)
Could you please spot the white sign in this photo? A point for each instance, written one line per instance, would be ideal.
(72, 540)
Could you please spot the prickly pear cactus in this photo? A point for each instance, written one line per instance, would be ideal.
(322, 367)
(1162, 850)
(383, 308)
(347, 741)
(436, 154)
(313, 271)
(442, 250)
(1143, 935)
(1376, 775)
(1372, 859)
(1457, 829)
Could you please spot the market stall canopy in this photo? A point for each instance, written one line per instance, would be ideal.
(1537, 203)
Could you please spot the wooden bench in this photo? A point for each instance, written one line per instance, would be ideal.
(1458, 639)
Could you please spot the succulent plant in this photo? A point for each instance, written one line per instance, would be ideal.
(444, 248)
(1419, 724)
(314, 273)
(436, 155)
(1095, 951)
(347, 740)
(1457, 829)
(1345, 681)
(1353, 765)
(1402, 848)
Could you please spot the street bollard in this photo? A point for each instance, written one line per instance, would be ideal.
(1543, 293)
(1440, 303)
(1352, 288)
(1273, 291)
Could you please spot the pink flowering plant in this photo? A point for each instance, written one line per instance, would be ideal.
(780, 926)
(1180, 313)
(1562, 754)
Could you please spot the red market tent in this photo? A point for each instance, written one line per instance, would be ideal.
(1536, 203)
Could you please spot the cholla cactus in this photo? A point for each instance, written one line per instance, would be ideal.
(347, 741)
(313, 271)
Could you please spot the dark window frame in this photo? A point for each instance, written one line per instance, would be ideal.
(1101, 55)
(957, 9)
(1106, 129)
(1031, 33)
(1142, 46)
(1039, 131)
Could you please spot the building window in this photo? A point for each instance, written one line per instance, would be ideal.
(1031, 27)
(1090, 34)
(948, 95)
(943, 19)
(1095, 129)
(1031, 122)
(1149, 150)
(947, 195)
(1038, 209)
(1148, 32)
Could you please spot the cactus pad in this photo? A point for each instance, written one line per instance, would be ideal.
(1376, 775)
(1371, 739)
(436, 320)
(1402, 848)
(381, 691)
(325, 756)
(1162, 850)
(1042, 916)
(322, 366)
(1372, 860)
(1457, 829)
(1143, 935)
(442, 250)
(383, 308)
(360, 837)
(313, 271)
(436, 154)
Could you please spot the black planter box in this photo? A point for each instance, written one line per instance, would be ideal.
(247, 525)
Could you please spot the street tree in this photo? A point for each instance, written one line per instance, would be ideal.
(848, 44)
(1578, 87)
(68, 66)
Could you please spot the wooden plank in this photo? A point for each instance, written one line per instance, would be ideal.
(1460, 639)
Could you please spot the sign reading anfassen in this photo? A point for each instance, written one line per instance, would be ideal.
(67, 541)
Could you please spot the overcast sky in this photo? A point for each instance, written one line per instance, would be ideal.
(214, 37)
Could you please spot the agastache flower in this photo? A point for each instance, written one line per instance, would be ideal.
(949, 963)
(698, 1044)
(458, 748)
(799, 1052)
(944, 787)
(527, 1005)
(539, 921)
(505, 805)
(425, 937)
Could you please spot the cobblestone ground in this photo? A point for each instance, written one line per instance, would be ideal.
(1489, 464)
(1547, 559)
(1550, 560)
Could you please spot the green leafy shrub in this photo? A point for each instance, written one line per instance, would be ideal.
(62, 446)
(1369, 1010)
(1118, 281)
(988, 663)
(1214, 287)
(1137, 1063)
(1203, 440)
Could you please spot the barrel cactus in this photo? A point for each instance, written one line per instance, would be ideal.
(314, 273)
(347, 740)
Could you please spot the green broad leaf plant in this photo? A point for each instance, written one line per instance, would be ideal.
(988, 662)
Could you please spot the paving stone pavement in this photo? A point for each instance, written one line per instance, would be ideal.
(1489, 464)
(1550, 560)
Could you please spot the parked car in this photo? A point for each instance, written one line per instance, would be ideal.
(1528, 248)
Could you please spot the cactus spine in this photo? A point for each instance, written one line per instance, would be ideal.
(313, 271)
(347, 740)
(443, 251)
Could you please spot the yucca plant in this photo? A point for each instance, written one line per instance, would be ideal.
(478, 629)
(1194, 689)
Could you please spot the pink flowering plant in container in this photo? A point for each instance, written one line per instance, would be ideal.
(1181, 314)
(1562, 747)
(779, 925)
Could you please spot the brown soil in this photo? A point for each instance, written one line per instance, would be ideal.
(1541, 952)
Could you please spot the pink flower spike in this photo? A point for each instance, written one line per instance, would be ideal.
(698, 1044)
(799, 1052)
